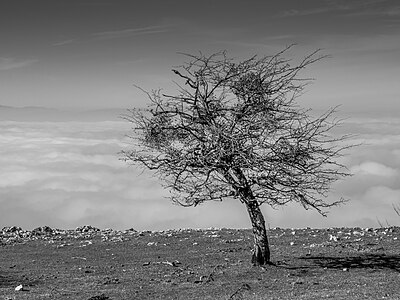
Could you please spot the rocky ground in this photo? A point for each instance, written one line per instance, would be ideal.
(92, 264)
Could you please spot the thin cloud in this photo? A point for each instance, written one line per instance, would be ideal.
(306, 12)
(378, 12)
(366, 8)
(130, 32)
(353, 8)
(62, 43)
(12, 63)
(96, 3)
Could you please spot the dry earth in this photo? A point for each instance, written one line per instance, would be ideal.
(88, 263)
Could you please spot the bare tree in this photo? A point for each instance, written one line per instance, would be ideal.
(396, 209)
(234, 130)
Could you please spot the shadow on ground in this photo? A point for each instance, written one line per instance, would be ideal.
(7, 279)
(13, 279)
(367, 261)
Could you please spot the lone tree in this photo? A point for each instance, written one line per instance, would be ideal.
(234, 130)
(396, 209)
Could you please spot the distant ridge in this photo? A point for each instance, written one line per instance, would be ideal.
(45, 114)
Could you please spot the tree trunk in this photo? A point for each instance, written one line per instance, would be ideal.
(261, 254)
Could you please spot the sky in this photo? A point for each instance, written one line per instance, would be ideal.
(78, 60)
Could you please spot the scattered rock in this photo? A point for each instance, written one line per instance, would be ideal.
(358, 233)
(11, 229)
(233, 241)
(99, 297)
(143, 233)
(87, 228)
(19, 288)
(130, 230)
(333, 238)
(44, 230)
(109, 280)
(172, 263)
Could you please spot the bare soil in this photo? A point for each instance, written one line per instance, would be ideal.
(87, 263)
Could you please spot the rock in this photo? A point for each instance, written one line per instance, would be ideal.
(109, 280)
(87, 228)
(99, 297)
(172, 263)
(333, 238)
(19, 288)
(395, 229)
(11, 229)
(145, 232)
(44, 230)
(355, 232)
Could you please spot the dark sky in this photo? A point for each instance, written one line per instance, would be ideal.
(88, 53)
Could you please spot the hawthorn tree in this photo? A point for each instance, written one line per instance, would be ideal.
(234, 130)
(396, 209)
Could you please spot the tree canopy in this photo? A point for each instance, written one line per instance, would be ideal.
(235, 129)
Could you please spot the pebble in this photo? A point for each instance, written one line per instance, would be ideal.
(19, 288)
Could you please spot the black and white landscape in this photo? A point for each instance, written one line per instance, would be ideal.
(69, 71)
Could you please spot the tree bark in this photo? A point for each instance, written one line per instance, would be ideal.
(261, 253)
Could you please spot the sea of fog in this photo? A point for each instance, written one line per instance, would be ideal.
(65, 172)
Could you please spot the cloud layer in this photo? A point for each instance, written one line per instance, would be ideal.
(66, 174)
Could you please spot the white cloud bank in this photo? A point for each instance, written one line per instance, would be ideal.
(66, 174)
(373, 168)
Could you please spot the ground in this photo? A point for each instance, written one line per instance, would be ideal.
(87, 263)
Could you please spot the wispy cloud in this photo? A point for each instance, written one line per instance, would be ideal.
(367, 8)
(65, 42)
(348, 8)
(390, 12)
(306, 12)
(12, 63)
(95, 3)
(130, 32)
